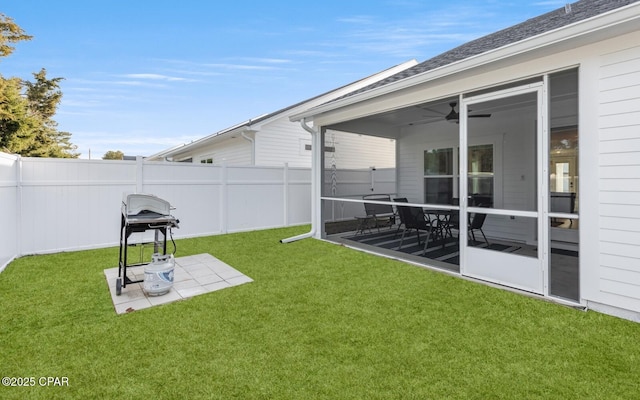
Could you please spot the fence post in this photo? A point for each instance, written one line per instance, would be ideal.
(19, 206)
(139, 175)
(223, 199)
(286, 193)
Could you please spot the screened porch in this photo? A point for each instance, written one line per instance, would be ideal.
(470, 167)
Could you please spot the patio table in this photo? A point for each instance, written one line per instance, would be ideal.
(442, 219)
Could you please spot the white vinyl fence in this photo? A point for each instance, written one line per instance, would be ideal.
(9, 201)
(53, 205)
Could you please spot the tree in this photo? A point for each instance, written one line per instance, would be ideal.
(113, 155)
(16, 123)
(26, 124)
(43, 97)
(10, 32)
(27, 108)
(14, 118)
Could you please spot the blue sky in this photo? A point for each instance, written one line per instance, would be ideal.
(142, 76)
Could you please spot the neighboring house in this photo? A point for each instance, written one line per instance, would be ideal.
(530, 136)
(272, 139)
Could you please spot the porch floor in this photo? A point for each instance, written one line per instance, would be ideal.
(444, 254)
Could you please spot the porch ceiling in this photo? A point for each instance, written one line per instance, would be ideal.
(389, 124)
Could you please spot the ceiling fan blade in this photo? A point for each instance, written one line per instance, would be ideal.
(480, 116)
(431, 110)
(425, 120)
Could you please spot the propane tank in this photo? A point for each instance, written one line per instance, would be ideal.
(158, 275)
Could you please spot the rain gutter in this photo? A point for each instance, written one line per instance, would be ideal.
(253, 146)
(315, 166)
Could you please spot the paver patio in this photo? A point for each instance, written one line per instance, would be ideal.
(193, 276)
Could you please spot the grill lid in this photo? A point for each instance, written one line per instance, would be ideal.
(136, 203)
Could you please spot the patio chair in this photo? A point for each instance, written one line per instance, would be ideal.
(400, 224)
(380, 214)
(475, 224)
(414, 218)
(454, 218)
(452, 223)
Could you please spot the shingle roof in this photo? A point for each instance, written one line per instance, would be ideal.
(579, 11)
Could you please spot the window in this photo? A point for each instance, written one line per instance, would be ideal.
(563, 170)
(480, 174)
(206, 161)
(438, 176)
(441, 177)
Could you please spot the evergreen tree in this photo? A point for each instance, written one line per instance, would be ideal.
(16, 123)
(27, 108)
(10, 32)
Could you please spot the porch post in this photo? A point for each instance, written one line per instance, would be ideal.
(462, 183)
(318, 152)
(543, 182)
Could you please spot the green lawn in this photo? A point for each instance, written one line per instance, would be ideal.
(320, 321)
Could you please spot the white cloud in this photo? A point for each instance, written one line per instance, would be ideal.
(550, 3)
(136, 138)
(269, 60)
(135, 143)
(425, 32)
(358, 20)
(232, 66)
(224, 67)
(155, 77)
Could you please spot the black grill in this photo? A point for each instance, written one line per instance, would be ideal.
(141, 213)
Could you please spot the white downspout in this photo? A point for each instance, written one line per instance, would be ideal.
(253, 146)
(315, 162)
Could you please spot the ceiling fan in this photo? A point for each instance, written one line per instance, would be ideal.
(453, 115)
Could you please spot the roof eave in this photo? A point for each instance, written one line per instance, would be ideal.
(203, 141)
